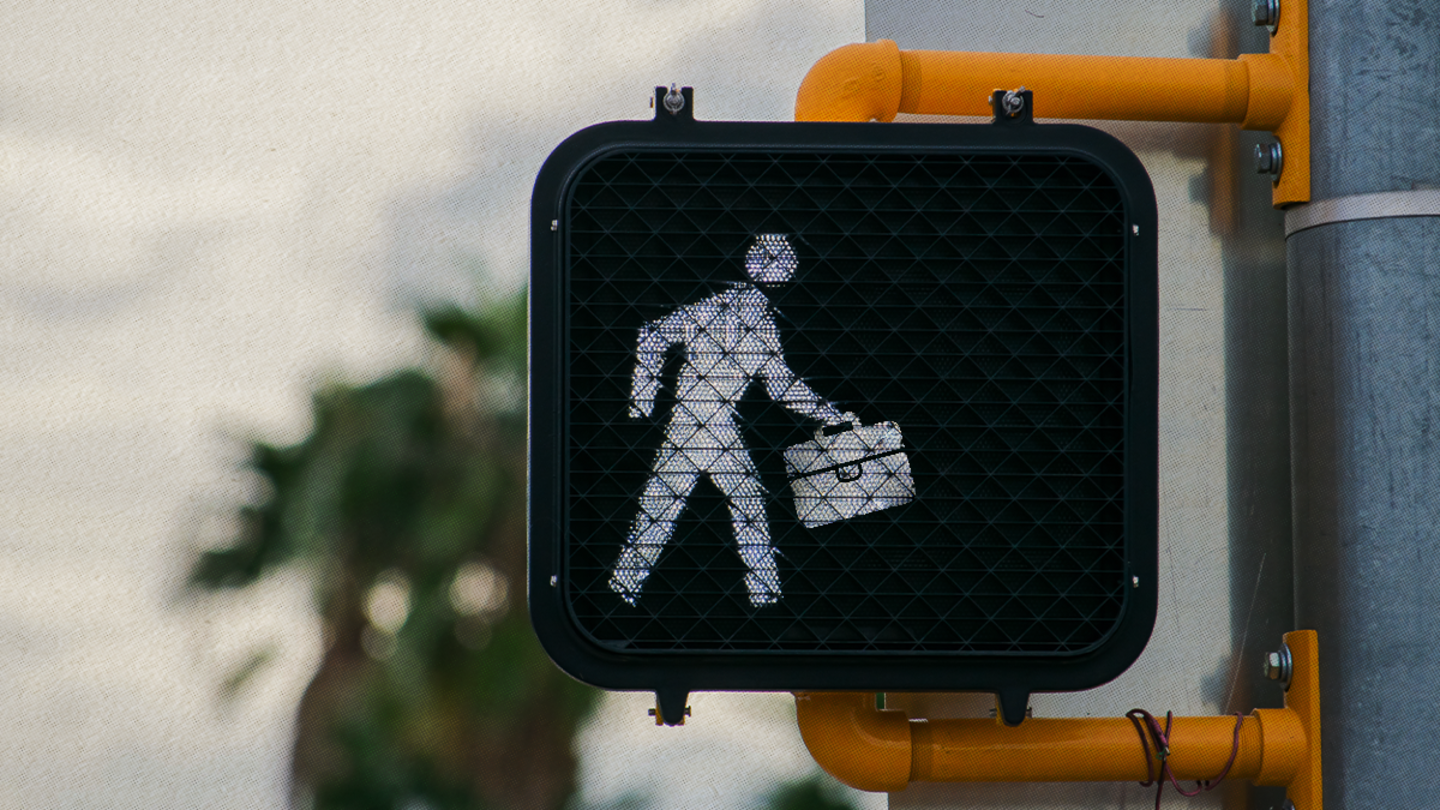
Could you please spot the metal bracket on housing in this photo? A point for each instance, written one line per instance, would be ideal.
(1013, 106)
(670, 708)
(674, 104)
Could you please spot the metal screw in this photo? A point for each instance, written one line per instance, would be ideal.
(1013, 102)
(674, 102)
(1266, 13)
(1278, 666)
(1269, 160)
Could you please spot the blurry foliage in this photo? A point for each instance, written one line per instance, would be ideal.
(405, 509)
(815, 793)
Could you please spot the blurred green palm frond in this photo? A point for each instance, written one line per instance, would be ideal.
(813, 793)
(405, 509)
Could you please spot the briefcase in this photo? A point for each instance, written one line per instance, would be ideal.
(859, 470)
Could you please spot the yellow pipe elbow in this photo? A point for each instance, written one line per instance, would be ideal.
(857, 82)
(1285, 743)
(1272, 89)
(853, 742)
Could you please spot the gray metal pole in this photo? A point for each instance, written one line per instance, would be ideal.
(1364, 299)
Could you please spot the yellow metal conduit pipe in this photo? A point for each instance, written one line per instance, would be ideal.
(844, 729)
(884, 750)
(1269, 91)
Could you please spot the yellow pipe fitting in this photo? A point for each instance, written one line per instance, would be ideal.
(877, 81)
(1285, 748)
(857, 82)
(883, 750)
(1272, 89)
(864, 747)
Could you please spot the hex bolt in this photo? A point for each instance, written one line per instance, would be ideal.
(1269, 160)
(674, 102)
(1013, 102)
(1266, 13)
(1278, 666)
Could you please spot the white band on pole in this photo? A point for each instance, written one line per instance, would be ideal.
(1384, 205)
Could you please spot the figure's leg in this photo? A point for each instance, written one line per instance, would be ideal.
(660, 506)
(735, 476)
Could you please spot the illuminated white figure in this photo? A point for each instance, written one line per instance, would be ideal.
(730, 340)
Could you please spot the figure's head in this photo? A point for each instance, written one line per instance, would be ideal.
(771, 260)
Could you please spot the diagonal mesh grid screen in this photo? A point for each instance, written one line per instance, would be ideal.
(967, 309)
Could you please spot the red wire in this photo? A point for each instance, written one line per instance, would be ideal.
(1161, 738)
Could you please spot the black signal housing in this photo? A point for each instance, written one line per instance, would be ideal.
(989, 288)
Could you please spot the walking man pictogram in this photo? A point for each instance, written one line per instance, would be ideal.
(730, 340)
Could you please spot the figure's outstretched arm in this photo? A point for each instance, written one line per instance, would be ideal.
(655, 338)
(784, 387)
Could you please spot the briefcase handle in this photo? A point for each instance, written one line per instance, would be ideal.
(851, 422)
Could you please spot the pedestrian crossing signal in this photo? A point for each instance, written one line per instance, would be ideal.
(843, 406)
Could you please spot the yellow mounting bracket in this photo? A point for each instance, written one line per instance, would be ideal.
(884, 750)
(1269, 91)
